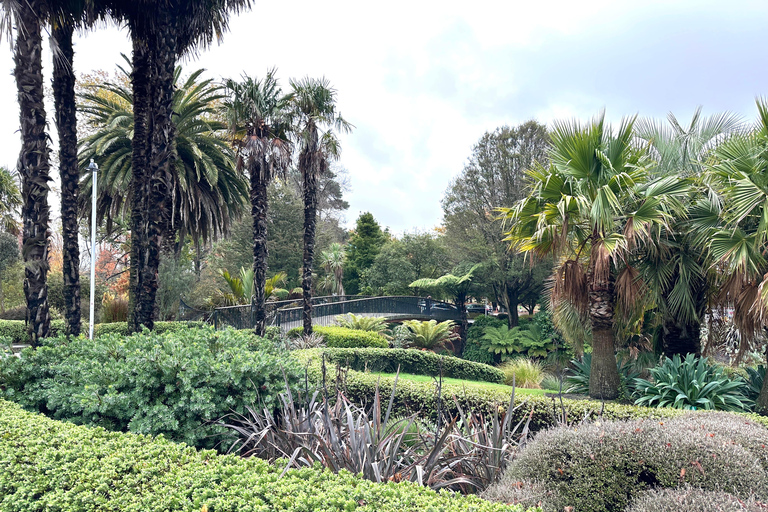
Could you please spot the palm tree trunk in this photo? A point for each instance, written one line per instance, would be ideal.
(461, 303)
(311, 167)
(604, 378)
(33, 167)
(680, 338)
(761, 404)
(259, 207)
(140, 79)
(66, 124)
(161, 156)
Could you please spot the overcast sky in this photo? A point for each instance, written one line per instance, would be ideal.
(422, 81)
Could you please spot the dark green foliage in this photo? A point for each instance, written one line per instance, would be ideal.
(691, 383)
(417, 362)
(91, 470)
(577, 380)
(692, 499)
(604, 466)
(363, 247)
(473, 350)
(172, 383)
(754, 382)
(341, 337)
(506, 343)
(17, 331)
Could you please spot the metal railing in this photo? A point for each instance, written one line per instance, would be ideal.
(289, 314)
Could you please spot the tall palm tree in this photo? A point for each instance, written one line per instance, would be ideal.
(590, 208)
(316, 121)
(739, 173)
(33, 166)
(332, 260)
(675, 267)
(10, 201)
(207, 193)
(258, 123)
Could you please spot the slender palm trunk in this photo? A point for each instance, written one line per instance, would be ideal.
(161, 156)
(761, 405)
(311, 166)
(66, 124)
(259, 207)
(140, 79)
(33, 167)
(604, 378)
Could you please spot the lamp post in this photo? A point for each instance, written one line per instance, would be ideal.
(94, 189)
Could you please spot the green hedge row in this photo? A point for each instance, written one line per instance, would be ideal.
(417, 362)
(176, 383)
(17, 329)
(49, 465)
(341, 337)
(412, 397)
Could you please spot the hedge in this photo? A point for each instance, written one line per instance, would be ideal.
(417, 362)
(341, 337)
(17, 329)
(412, 397)
(176, 383)
(49, 465)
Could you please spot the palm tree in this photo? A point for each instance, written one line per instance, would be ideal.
(675, 265)
(207, 193)
(458, 288)
(10, 201)
(313, 109)
(333, 262)
(33, 167)
(590, 208)
(257, 115)
(739, 173)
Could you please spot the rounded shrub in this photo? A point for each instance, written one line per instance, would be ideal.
(691, 499)
(341, 337)
(605, 466)
(524, 372)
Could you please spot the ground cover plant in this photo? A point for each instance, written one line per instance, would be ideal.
(416, 362)
(175, 384)
(604, 466)
(90, 469)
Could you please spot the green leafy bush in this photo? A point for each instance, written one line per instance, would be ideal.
(417, 362)
(341, 337)
(174, 383)
(692, 499)
(524, 372)
(691, 383)
(49, 465)
(431, 335)
(754, 382)
(17, 330)
(604, 466)
(506, 342)
(362, 323)
(473, 349)
(577, 380)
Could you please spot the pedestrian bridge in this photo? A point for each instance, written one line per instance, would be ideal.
(289, 314)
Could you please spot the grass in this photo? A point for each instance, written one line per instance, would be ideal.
(467, 383)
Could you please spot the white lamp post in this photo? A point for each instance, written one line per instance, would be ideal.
(94, 189)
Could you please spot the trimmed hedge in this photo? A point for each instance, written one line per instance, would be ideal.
(413, 361)
(49, 465)
(412, 397)
(177, 383)
(691, 499)
(17, 329)
(341, 337)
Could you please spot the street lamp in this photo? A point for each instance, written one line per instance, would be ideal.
(95, 171)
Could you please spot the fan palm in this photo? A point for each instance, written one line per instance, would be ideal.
(333, 262)
(33, 165)
(458, 288)
(316, 122)
(256, 112)
(431, 335)
(10, 201)
(675, 266)
(739, 173)
(590, 207)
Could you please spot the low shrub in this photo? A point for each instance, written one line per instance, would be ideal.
(17, 329)
(691, 499)
(341, 337)
(473, 349)
(174, 383)
(605, 465)
(417, 362)
(524, 372)
(89, 469)
(577, 379)
(431, 334)
(691, 383)
(362, 323)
